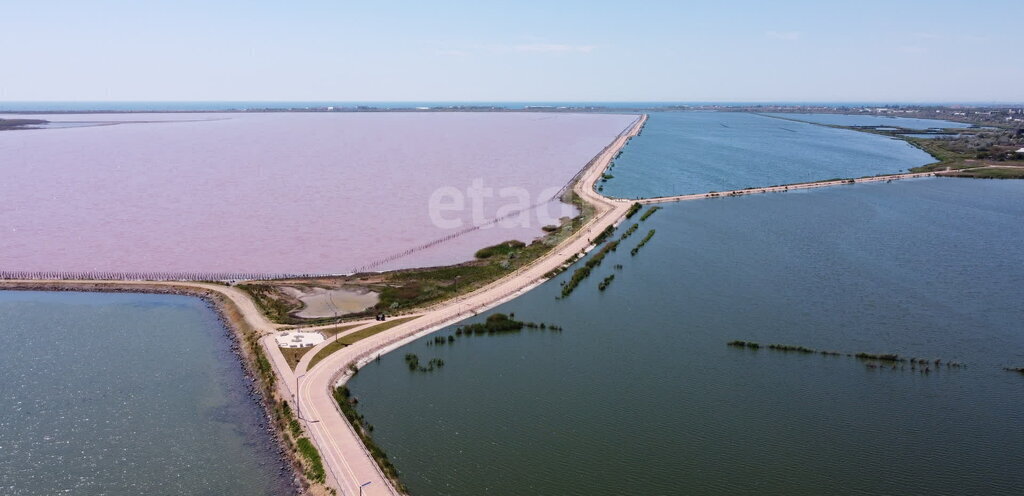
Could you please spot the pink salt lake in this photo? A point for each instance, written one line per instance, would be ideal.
(275, 193)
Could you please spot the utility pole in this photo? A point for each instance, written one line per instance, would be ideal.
(298, 407)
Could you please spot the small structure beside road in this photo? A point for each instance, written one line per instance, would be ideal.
(293, 339)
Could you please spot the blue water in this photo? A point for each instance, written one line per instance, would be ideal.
(126, 394)
(873, 120)
(696, 152)
(640, 394)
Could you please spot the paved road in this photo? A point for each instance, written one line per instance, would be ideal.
(344, 454)
(348, 463)
(786, 187)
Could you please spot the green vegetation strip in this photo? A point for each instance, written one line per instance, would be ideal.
(633, 209)
(344, 341)
(497, 323)
(629, 232)
(413, 361)
(604, 235)
(406, 289)
(504, 248)
(315, 470)
(583, 272)
(649, 212)
(873, 359)
(636, 249)
(992, 173)
(348, 406)
(603, 285)
(275, 309)
(331, 331)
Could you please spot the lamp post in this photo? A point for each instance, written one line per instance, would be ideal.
(361, 486)
(298, 407)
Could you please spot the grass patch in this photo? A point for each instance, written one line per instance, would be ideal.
(331, 331)
(344, 341)
(275, 308)
(314, 465)
(294, 355)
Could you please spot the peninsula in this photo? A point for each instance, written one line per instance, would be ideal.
(332, 452)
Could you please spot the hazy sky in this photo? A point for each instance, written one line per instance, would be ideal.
(506, 51)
